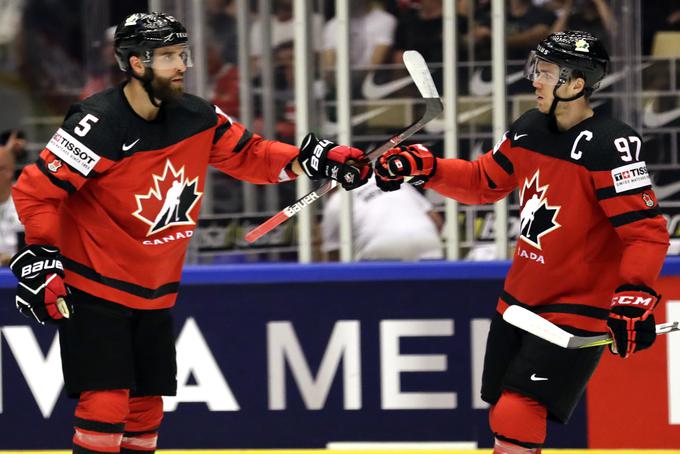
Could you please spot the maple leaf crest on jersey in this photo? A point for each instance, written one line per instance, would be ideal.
(169, 201)
(537, 217)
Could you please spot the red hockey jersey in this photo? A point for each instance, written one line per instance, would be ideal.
(120, 195)
(589, 220)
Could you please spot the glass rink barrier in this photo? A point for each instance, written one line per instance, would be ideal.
(308, 77)
(390, 353)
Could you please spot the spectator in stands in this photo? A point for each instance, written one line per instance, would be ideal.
(371, 35)
(15, 141)
(282, 30)
(420, 29)
(284, 94)
(526, 25)
(658, 16)
(221, 26)
(10, 227)
(399, 225)
(592, 16)
(105, 72)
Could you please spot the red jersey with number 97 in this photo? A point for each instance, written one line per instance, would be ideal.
(589, 219)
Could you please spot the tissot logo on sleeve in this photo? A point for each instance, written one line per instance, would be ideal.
(631, 176)
(73, 152)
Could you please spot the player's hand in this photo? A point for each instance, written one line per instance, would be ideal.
(385, 179)
(631, 321)
(41, 293)
(325, 159)
(411, 160)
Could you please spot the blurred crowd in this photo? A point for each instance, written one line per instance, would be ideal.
(48, 58)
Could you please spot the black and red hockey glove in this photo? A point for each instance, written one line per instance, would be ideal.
(41, 293)
(410, 160)
(631, 321)
(325, 159)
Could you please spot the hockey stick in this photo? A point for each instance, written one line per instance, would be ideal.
(417, 68)
(538, 326)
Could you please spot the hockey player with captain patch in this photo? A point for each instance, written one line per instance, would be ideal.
(592, 239)
(109, 209)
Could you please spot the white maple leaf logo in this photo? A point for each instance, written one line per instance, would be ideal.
(169, 201)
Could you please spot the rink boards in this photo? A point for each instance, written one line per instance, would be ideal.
(290, 356)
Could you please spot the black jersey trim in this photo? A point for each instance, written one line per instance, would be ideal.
(524, 444)
(220, 131)
(97, 426)
(610, 192)
(504, 162)
(634, 216)
(143, 432)
(489, 181)
(61, 184)
(128, 287)
(247, 135)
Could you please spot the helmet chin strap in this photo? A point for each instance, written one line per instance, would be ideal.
(557, 99)
(146, 83)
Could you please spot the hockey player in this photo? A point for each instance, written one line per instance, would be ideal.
(590, 249)
(109, 209)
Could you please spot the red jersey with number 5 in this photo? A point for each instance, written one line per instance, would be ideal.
(120, 195)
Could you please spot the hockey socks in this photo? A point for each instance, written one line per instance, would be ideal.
(100, 420)
(519, 424)
(141, 426)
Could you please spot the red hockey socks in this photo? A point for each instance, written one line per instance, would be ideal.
(519, 424)
(100, 420)
(141, 427)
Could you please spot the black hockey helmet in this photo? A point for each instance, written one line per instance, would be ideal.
(576, 53)
(140, 33)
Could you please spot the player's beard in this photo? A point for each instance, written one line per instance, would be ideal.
(164, 91)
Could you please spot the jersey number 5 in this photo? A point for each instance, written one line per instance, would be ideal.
(84, 125)
(624, 146)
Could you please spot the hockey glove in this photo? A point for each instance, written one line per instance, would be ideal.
(325, 159)
(41, 292)
(631, 321)
(411, 160)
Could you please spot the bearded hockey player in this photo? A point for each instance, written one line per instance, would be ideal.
(109, 209)
(592, 238)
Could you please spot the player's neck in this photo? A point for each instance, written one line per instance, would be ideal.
(139, 100)
(569, 116)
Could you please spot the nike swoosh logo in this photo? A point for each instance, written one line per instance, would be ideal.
(127, 147)
(371, 90)
(481, 87)
(617, 76)
(519, 136)
(439, 124)
(536, 378)
(653, 119)
(331, 128)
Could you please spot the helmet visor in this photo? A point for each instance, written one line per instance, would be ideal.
(540, 70)
(169, 57)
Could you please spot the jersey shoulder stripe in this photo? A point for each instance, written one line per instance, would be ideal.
(107, 125)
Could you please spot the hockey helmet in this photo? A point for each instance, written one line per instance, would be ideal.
(575, 53)
(140, 33)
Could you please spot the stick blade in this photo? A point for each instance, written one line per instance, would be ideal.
(535, 324)
(417, 68)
